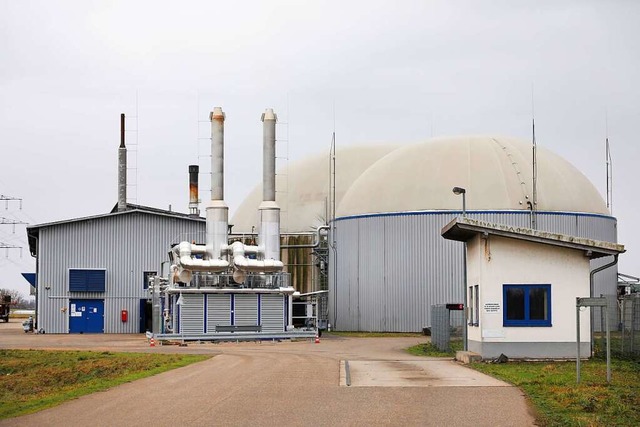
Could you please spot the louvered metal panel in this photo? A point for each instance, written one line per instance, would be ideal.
(390, 269)
(125, 245)
(218, 311)
(246, 309)
(192, 314)
(272, 313)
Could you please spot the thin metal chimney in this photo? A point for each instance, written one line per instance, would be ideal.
(122, 169)
(217, 210)
(269, 232)
(193, 190)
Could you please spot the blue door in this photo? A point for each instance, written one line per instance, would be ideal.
(86, 316)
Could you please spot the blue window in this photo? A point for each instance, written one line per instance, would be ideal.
(86, 280)
(526, 305)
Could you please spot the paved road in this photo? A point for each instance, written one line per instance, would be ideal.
(287, 383)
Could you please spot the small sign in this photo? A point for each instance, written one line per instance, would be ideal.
(591, 302)
(492, 307)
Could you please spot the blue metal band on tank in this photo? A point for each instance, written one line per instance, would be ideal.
(468, 212)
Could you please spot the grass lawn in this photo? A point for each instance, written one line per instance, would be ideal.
(32, 380)
(428, 349)
(558, 400)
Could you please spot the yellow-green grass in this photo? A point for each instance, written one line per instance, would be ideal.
(428, 349)
(559, 401)
(32, 380)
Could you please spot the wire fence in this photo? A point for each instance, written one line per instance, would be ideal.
(624, 326)
(446, 325)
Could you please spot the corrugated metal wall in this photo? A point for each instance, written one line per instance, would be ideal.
(390, 269)
(125, 245)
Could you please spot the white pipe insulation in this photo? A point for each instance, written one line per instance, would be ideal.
(217, 210)
(186, 263)
(269, 227)
(239, 250)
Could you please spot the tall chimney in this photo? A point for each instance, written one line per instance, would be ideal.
(122, 169)
(217, 210)
(269, 232)
(193, 190)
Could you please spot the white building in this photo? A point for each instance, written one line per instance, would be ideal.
(522, 286)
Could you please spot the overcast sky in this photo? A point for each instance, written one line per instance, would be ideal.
(387, 72)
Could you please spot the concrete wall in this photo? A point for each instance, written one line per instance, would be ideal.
(496, 261)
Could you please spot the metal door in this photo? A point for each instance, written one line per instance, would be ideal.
(86, 316)
(272, 312)
(246, 309)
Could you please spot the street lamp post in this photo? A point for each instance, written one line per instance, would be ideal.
(458, 191)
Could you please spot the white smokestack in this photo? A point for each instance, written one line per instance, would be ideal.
(269, 231)
(217, 210)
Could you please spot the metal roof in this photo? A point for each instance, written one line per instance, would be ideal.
(463, 229)
(33, 230)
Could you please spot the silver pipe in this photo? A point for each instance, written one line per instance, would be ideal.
(310, 245)
(122, 169)
(217, 211)
(269, 230)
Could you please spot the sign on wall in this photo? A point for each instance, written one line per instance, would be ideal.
(492, 307)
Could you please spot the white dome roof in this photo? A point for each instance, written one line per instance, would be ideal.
(495, 171)
(302, 188)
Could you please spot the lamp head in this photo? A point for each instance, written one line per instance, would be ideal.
(459, 190)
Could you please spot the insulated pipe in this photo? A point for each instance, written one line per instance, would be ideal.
(245, 264)
(122, 169)
(187, 262)
(193, 190)
(217, 210)
(269, 230)
(310, 245)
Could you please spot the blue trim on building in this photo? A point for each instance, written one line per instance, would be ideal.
(204, 311)
(455, 212)
(259, 309)
(87, 280)
(526, 320)
(232, 311)
(286, 311)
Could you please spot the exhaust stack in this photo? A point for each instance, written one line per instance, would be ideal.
(122, 169)
(217, 210)
(269, 231)
(193, 191)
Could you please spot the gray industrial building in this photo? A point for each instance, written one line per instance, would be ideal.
(388, 262)
(121, 250)
(92, 272)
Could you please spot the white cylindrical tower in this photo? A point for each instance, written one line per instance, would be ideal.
(269, 231)
(217, 210)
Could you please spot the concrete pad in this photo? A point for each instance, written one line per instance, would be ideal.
(412, 373)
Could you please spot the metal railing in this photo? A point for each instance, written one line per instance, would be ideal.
(250, 281)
